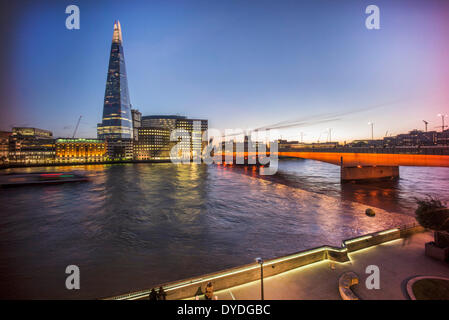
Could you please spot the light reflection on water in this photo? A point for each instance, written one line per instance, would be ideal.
(136, 225)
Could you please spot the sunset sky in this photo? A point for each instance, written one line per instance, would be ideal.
(239, 64)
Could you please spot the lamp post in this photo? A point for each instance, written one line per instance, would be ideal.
(260, 261)
(442, 120)
(372, 129)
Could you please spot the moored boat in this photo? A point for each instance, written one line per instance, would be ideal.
(20, 179)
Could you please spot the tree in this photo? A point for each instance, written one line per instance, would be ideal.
(433, 214)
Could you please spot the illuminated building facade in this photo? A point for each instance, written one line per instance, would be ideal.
(191, 136)
(80, 150)
(119, 149)
(31, 146)
(37, 133)
(117, 120)
(4, 146)
(153, 144)
(167, 122)
(193, 128)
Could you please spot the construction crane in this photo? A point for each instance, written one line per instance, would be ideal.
(442, 121)
(425, 124)
(76, 128)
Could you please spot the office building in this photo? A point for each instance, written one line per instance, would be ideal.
(117, 125)
(80, 150)
(31, 146)
(119, 149)
(153, 144)
(36, 133)
(117, 122)
(161, 121)
(4, 146)
(191, 131)
(137, 120)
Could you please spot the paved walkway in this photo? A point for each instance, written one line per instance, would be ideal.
(397, 260)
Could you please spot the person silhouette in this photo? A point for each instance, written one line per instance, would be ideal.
(209, 291)
(153, 294)
(161, 295)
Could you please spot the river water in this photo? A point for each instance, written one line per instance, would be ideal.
(137, 225)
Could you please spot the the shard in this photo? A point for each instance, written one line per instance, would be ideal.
(117, 121)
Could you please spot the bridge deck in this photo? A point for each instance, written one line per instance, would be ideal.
(372, 159)
(350, 159)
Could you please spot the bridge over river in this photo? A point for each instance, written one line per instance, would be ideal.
(364, 163)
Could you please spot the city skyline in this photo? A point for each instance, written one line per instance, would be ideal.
(176, 66)
(243, 152)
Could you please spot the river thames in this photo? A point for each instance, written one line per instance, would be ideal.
(133, 226)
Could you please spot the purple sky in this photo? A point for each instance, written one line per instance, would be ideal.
(240, 64)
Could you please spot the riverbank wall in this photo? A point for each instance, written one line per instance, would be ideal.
(228, 278)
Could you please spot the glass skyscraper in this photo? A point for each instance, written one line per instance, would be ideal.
(117, 121)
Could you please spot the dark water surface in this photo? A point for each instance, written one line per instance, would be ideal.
(137, 225)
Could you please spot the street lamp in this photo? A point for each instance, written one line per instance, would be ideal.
(372, 129)
(442, 120)
(260, 261)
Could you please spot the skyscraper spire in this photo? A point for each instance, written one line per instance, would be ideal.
(117, 36)
(116, 123)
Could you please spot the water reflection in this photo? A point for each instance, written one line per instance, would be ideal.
(396, 196)
(136, 225)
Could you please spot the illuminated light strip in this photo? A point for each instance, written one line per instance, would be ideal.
(387, 231)
(195, 281)
(301, 254)
(357, 239)
(136, 296)
(212, 278)
(323, 249)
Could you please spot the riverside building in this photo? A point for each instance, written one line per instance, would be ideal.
(80, 150)
(117, 125)
(4, 146)
(190, 138)
(137, 120)
(31, 146)
(153, 143)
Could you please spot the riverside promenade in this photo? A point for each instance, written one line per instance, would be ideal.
(314, 273)
(398, 260)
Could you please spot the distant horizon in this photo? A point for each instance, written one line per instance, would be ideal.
(280, 138)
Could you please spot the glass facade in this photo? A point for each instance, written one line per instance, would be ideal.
(194, 129)
(153, 144)
(161, 121)
(117, 121)
(31, 146)
(137, 119)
